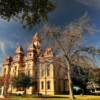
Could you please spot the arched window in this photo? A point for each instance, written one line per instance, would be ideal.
(42, 85)
(15, 68)
(42, 71)
(48, 84)
(28, 73)
(48, 70)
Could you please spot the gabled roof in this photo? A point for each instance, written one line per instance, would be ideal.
(48, 52)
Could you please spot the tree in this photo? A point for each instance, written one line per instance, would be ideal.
(81, 76)
(22, 81)
(69, 42)
(96, 75)
(29, 12)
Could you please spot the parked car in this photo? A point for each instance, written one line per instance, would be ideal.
(19, 92)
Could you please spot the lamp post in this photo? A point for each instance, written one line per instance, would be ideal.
(2, 92)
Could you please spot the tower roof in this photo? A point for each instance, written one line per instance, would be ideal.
(7, 60)
(31, 47)
(19, 49)
(36, 37)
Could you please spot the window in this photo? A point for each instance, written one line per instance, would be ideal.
(42, 72)
(15, 71)
(93, 90)
(48, 70)
(98, 89)
(30, 54)
(42, 85)
(15, 68)
(28, 73)
(48, 84)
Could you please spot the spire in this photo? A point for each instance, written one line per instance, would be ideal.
(36, 40)
(19, 49)
(36, 37)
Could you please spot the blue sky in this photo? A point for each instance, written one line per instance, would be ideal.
(12, 33)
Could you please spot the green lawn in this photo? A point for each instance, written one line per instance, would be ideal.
(79, 97)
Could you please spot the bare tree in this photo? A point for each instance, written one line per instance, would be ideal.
(69, 41)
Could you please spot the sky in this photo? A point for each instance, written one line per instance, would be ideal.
(12, 33)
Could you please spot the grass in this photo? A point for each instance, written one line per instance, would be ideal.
(88, 97)
(78, 97)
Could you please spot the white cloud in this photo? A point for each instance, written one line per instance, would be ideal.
(3, 47)
(91, 3)
(4, 44)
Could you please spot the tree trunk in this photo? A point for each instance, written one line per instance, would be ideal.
(24, 91)
(69, 79)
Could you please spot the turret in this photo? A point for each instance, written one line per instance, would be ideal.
(7, 61)
(6, 72)
(7, 65)
(19, 50)
(31, 51)
(18, 62)
(19, 54)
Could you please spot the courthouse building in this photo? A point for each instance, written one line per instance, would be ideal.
(43, 66)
